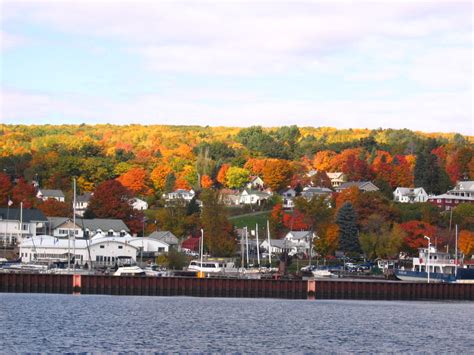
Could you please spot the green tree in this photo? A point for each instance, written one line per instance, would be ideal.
(348, 232)
(219, 238)
(237, 177)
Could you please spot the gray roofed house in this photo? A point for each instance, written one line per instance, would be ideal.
(45, 194)
(33, 222)
(364, 186)
(63, 226)
(309, 192)
(165, 236)
(82, 201)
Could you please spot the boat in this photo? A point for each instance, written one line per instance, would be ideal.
(323, 274)
(130, 271)
(432, 265)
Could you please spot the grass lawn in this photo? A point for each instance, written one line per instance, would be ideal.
(250, 220)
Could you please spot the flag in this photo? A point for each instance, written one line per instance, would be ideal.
(10, 202)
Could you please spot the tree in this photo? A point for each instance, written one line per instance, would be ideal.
(466, 243)
(236, 177)
(321, 179)
(276, 220)
(348, 232)
(24, 192)
(158, 176)
(463, 215)
(277, 174)
(170, 183)
(415, 233)
(5, 189)
(222, 174)
(111, 200)
(206, 182)
(136, 180)
(219, 238)
(328, 240)
(55, 208)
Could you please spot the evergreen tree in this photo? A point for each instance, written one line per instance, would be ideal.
(170, 183)
(348, 233)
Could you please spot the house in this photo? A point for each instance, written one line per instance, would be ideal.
(311, 173)
(50, 194)
(17, 224)
(300, 239)
(448, 201)
(410, 195)
(364, 186)
(166, 237)
(138, 204)
(192, 243)
(255, 183)
(180, 194)
(278, 246)
(463, 188)
(100, 250)
(82, 201)
(253, 197)
(309, 192)
(337, 178)
(288, 198)
(86, 228)
(148, 247)
(230, 197)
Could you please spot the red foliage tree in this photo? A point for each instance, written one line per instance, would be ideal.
(24, 192)
(111, 200)
(295, 221)
(5, 189)
(136, 180)
(55, 208)
(416, 230)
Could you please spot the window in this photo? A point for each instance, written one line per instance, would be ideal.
(110, 233)
(161, 249)
(120, 246)
(102, 246)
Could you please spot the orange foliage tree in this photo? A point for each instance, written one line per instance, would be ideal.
(255, 166)
(136, 180)
(466, 242)
(222, 174)
(158, 176)
(277, 173)
(206, 182)
(322, 160)
(415, 232)
(55, 208)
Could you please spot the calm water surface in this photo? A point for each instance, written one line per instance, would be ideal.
(66, 323)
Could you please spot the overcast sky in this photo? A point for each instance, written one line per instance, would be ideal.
(389, 64)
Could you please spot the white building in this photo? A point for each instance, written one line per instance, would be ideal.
(309, 192)
(139, 204)
(86, 228)
(300, 239)
(288, 198)
(50, 194)
(166, 237)
(278, 246)
(101, 249)
(463, 189)
(410, 195)
(255, 183)
(337, 179)
(17, 224)
(82, 201)
(147, 246)
(180, 194)
(253, 197)
(364, 186)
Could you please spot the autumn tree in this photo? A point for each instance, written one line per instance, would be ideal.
(219, 238)
(415, 233)
(277, 174)
(5, 189)
(24, 192)
(136, 180)
(321, 179)
(206, 182)
(222, 174)
(348, 233)
(158, 176)
(466, 243)
(111, 200)
(236, 177)
(55, 208)
(276, 220)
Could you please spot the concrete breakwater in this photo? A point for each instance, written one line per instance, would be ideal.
(237, 288)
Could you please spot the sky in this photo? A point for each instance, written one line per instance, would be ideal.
(344, 64)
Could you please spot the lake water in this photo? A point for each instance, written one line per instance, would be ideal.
(66, 323)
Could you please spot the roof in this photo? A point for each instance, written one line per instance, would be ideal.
(451, 197)
(84, 197)
(335, 175)
(94, 224)
(29, 214)
(51, 193)
(256, 192)
(362, 185)
(280, 243)
(47, 241)
(191, 243)
(465, 186)
(297, 235)
(410, 190)
(164, 236)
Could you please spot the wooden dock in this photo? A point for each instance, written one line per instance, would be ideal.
(238, 288)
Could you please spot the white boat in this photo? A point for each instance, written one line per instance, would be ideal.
(129, 271)
(323, 274)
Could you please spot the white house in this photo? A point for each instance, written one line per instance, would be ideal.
(230, 197)
(50, 194)
(309, 192)
(337, 179)
(138, 204)
(166, 237)
(17, 224)
(253, 197)
(463, 189)
(180, 194)
(82, 201)
(288, 198)
(300, 239)
(410, 195)
(255, 183)
(101, 249)
(147, 246)
(86, 228)
(278, 246)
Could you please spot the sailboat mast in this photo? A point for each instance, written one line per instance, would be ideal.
(456, 253)
(247, 244)
(269, 246)
(258, 247)
(74, 222)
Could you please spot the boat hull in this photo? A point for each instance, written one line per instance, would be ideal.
(419, 276)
